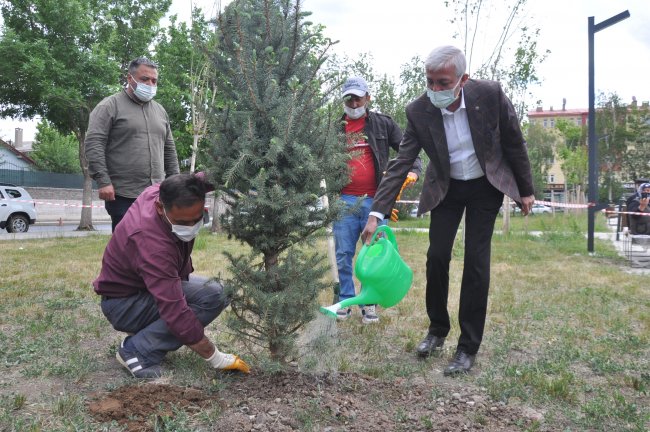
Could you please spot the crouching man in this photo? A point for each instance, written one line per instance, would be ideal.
(145, 281)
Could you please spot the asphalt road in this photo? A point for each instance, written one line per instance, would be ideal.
(54, 230)
(65, 227)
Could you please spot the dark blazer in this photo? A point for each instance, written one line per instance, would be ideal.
(498, 142)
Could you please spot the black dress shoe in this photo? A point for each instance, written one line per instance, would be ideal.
(461, 363)
(430, 344)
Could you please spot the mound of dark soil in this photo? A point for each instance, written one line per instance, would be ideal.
(293, 401)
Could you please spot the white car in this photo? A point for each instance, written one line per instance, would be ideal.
(17, 209)
(541, 208)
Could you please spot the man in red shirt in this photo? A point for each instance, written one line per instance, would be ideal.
(145, 281)
(370, 136)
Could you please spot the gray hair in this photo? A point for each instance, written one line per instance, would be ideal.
(133, 66)
(445, 56)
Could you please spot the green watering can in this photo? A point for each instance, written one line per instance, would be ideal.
(385, 278)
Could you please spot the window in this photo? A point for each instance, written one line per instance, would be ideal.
(551, 178)
(13, 193)
(545, 123)
(552, 123)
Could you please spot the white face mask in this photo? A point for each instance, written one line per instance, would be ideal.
(354, 113)
(443, 98)
(184, 233)
(144, 92)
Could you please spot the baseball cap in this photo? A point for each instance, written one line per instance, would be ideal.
(356, 86)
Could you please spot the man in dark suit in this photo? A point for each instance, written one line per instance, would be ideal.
(471, 133)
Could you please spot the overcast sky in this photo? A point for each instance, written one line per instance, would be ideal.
(395, 31)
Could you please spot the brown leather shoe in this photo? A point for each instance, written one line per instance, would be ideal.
(461, 363)
(431, 344)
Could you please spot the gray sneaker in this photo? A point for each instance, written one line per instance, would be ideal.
(343, 314)
(132, 363)
(369, 315)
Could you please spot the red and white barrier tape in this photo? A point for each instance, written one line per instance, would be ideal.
(564, 205)
(53, 204)
(548, 203)
(625, 212)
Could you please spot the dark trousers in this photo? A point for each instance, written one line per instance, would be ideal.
(118, 208)
(481, 203)
(138, 314)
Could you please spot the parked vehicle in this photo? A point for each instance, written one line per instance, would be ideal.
(17, 209)
(541, 208)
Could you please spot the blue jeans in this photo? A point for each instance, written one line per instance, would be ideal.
(138, 314)
(347, 231)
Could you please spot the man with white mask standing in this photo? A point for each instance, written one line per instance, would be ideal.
(477, 153)
(129, 143)
(146, 285)
(370, 136)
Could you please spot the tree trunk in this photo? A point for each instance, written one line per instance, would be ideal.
(86, 221)
(195, 146)
(218, 208)
(506, 214)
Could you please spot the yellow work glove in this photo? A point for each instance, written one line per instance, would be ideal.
(228, 362)
(410, 179)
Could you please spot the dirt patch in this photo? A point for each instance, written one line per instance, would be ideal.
(295, 401)
(138, 407)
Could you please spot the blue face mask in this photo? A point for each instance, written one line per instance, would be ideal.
(144, 92)
(443, 98)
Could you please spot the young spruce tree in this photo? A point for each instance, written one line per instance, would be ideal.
(275, 140)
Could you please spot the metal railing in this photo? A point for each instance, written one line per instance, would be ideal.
(28, 178)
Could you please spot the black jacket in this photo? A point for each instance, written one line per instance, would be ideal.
(383, 134)
(639, 224)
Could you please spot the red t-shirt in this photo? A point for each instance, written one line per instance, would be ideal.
(362, 165)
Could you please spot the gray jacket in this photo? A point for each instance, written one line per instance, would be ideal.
(129, 145)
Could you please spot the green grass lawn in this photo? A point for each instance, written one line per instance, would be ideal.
(562, 221)
(567, 334)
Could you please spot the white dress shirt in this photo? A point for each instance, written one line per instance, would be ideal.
(463, 162)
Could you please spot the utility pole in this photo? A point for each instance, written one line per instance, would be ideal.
(594, 206)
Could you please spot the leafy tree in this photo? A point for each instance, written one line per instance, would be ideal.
(273, 142)
(182, 54)
(514, 65)
(636, 162)
(613, 138)
(388, 96)
(541, 143)
(573, 135)
(55, 152)
(573, 153)
(61, 58)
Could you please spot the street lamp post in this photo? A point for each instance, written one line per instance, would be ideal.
(594, 206)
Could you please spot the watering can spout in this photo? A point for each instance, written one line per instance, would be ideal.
(330, 311)
(385, 278)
